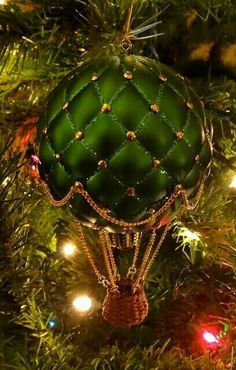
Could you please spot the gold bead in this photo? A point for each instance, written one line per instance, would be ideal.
(151, 211)
(94, 78)
(79, 135)
(45, 130)
(79, 185)
(128, 75)
(130, 191)
(189, 105)
(197, 158)
(178, 188)
(106, 210)
(65, 106)
(106, 108)
(131, 135)
(57, 156)
(102, 164)
(179, 135)
(162, 78)
(156, 163)
(155, 107)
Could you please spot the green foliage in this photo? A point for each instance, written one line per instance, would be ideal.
(152, 358)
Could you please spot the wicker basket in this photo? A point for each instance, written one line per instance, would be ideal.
(125, 308)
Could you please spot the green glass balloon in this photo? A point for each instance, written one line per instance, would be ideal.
(129, 129)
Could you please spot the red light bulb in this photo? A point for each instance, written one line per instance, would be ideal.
(210, 338)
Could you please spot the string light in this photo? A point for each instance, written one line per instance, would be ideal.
(210, 338)
(82, 303)
(3, 2)
(52, 324)
(68, 249)
(233, 183)
(186, 233)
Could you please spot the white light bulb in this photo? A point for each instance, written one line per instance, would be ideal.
(68, 249)
(191, 235)
(209, 337)
(233, 183)
(82, 303)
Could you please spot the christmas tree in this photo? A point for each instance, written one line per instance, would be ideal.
(112, 59)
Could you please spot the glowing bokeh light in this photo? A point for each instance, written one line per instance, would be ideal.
(68, 249)
(233, 183)
(52, 324)
(190, 234)
(82, 303)
(210, 338)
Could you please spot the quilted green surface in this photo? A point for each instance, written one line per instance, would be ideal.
(119, 124)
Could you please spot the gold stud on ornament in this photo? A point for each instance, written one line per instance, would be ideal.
(156, 163)
(94, 78)
(79, 135)
(155, 107)
(106, 108)
(179, 135)
(131, 135)
(102, 164)
(128, 75)
(130, 191)
(79, 185)
(151, 211)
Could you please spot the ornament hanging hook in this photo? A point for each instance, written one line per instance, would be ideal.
(126, 44)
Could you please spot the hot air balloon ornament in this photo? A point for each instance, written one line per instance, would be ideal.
(124, 141)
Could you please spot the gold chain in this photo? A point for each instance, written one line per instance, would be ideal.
(186, 202)
(128, 240)
(107, 260)
(105, 215)
(111, 256)
(115, 240)
(148, 268)
(132, 269)
(126, 44)
(57, 203)
(101, 279)
(145, 258)
(78, 188)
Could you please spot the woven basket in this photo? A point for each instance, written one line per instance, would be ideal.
(125, 308)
